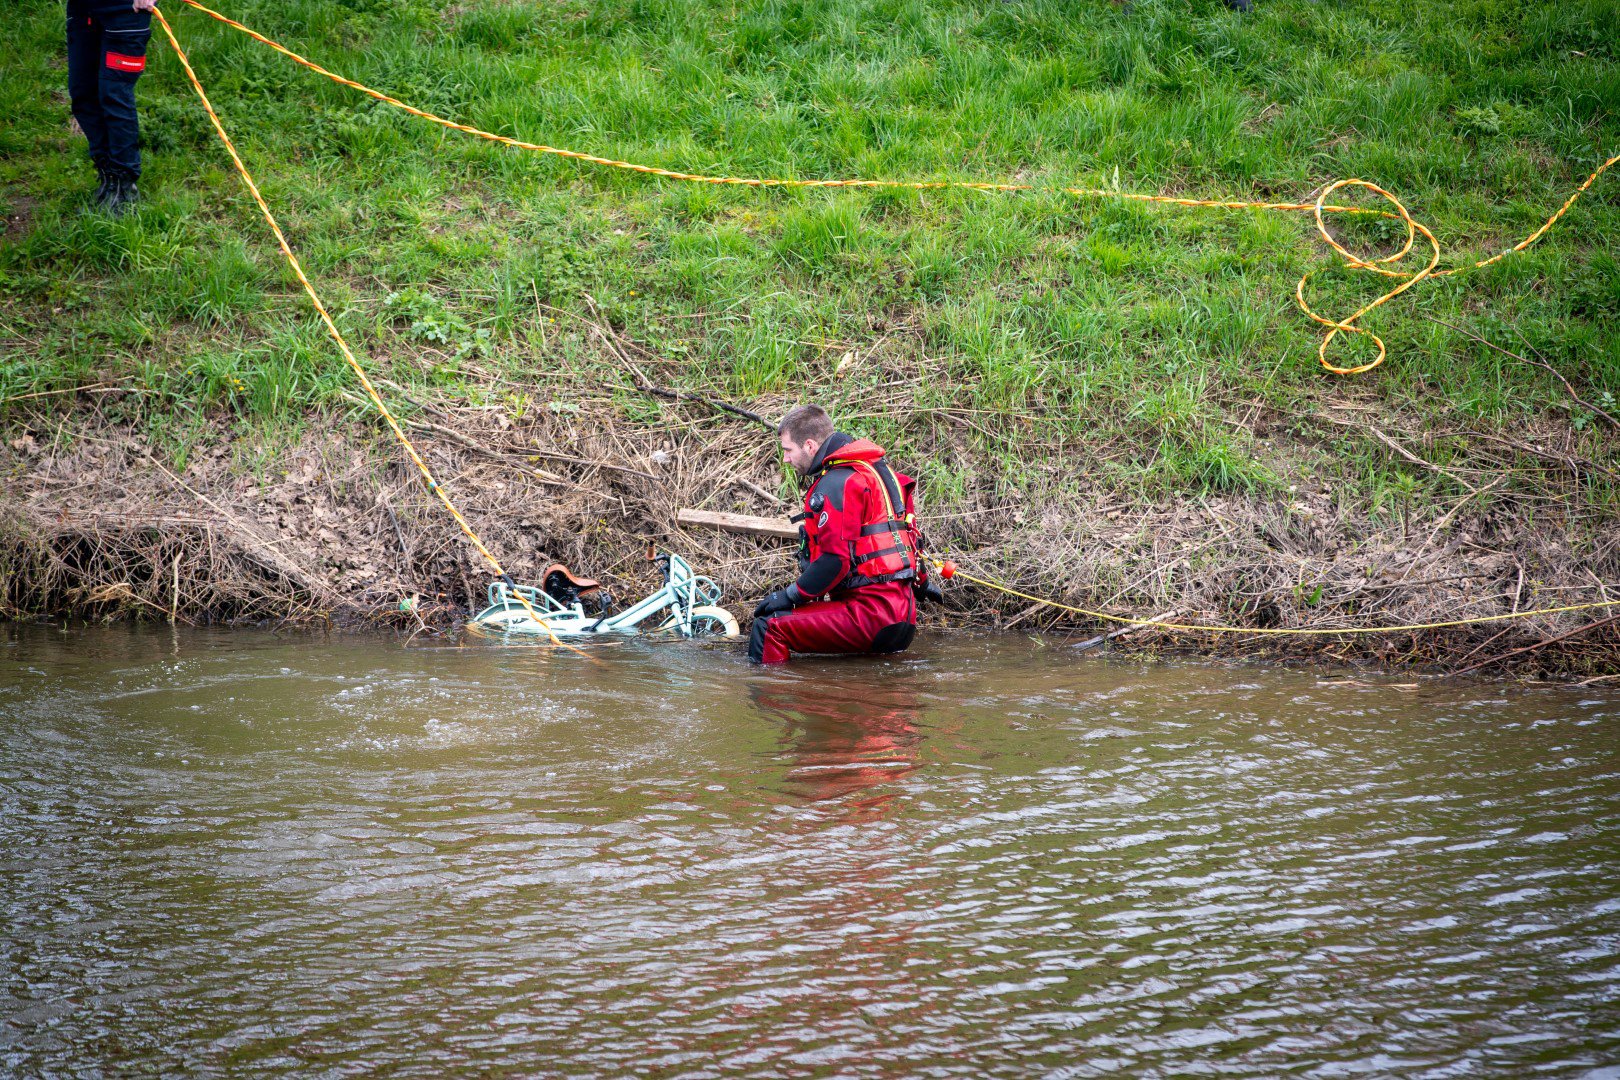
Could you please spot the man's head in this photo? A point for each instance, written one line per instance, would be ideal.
(804, 431)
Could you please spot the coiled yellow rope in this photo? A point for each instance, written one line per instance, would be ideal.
(1317, 208)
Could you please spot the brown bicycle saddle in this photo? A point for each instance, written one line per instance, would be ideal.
(559, 578)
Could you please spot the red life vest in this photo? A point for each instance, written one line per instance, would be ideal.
(872, 517)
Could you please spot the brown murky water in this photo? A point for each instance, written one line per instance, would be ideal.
(232, 853)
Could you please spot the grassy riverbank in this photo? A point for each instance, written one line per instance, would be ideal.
(1053, 369)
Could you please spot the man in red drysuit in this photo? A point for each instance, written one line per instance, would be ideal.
(860, 561)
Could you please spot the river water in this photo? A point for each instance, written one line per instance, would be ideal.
(237, 853)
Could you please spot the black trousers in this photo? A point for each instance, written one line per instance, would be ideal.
(106, 46)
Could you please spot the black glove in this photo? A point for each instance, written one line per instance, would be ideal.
(780, 600)
(929, 590)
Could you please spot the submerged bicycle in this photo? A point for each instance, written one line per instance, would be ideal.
(690, 606)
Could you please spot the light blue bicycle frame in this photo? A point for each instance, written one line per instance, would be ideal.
(681, 593)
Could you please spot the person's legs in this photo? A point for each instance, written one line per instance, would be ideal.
(893, 638)
(84, 60)
(878, 619)
(893, 613)
(125, 34)
(827, 626)
(756, 642)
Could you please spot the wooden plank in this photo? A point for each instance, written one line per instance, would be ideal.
(739, 523)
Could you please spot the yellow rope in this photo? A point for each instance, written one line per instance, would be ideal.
(331, 327)
(1317, 208)
(957, 572)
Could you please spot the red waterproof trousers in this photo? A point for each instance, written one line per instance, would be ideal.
(871, 619)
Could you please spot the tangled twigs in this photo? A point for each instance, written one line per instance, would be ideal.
(1533, 363)
(614, 342)
(282, 565)
(103, 514)
(122, 590)
(1597, 624)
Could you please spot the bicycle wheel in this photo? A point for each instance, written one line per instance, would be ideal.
(709, 621)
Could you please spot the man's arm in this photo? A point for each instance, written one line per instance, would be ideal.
(817, 578)
(836, 542)
(830, 567)
(821, 575)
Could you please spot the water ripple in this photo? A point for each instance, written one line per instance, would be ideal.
(232, 854)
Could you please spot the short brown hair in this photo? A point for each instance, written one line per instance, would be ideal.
(806, 422)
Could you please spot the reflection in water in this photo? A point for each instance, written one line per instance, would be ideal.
(228, 853)
(839, 746)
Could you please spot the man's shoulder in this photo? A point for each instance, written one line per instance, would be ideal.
(833, 484)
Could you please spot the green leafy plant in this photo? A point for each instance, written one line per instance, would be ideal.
(430, 320)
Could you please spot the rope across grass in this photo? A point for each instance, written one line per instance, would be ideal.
(1317, 209)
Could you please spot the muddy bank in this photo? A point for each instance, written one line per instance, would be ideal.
(335, 527)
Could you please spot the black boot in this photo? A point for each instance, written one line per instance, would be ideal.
(104, 182)
(121, 197)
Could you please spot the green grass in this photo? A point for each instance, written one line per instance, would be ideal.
(1100, 317)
